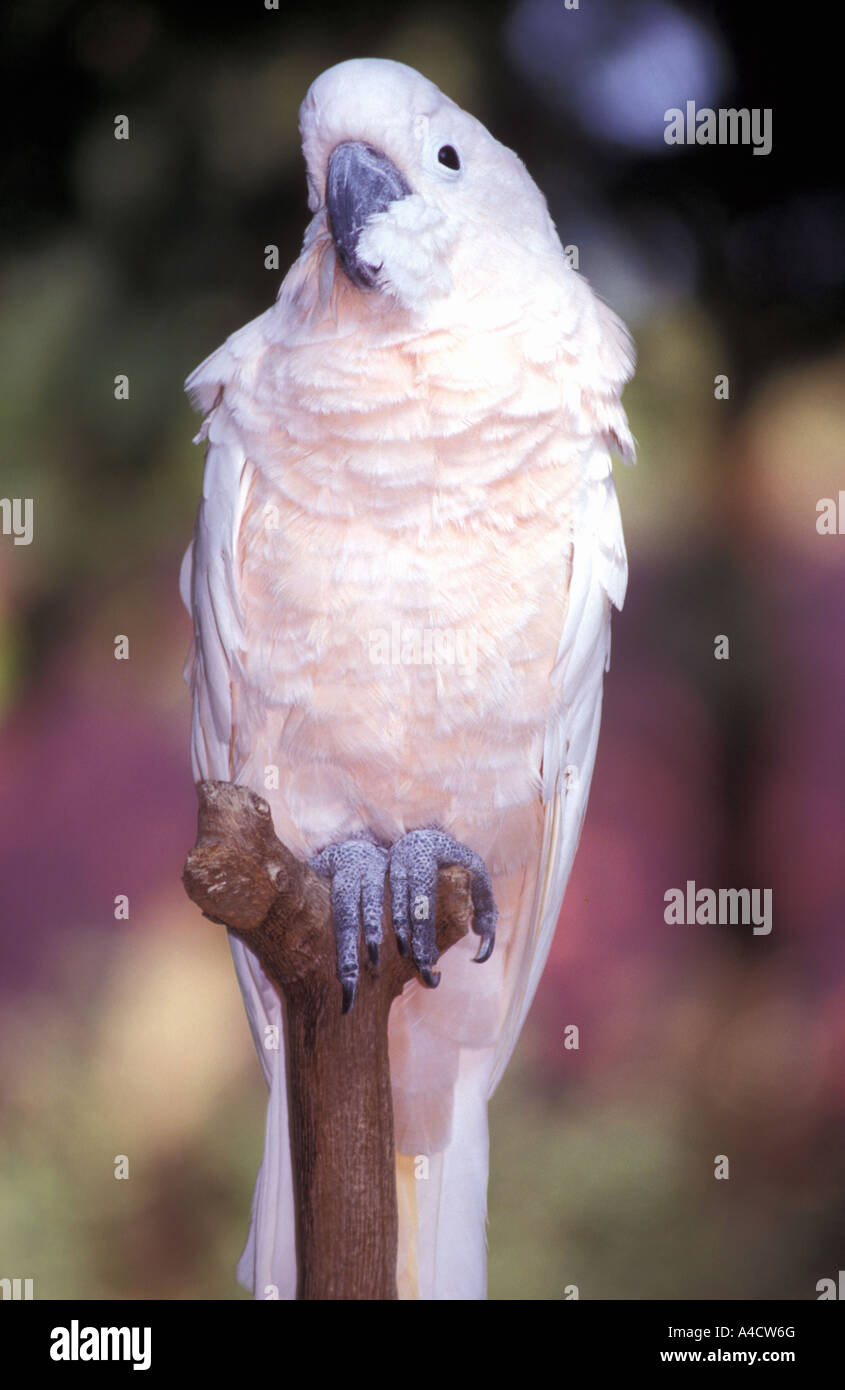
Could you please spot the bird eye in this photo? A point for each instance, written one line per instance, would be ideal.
(448, 155)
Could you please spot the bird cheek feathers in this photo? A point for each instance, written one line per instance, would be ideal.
(410, 244)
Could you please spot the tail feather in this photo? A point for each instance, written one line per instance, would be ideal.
(267, 1266)
(443, 1200)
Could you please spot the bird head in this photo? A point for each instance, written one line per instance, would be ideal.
(414, 191)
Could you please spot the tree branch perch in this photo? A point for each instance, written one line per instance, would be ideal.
(339, 1097)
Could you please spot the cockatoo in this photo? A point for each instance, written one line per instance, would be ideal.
(401, 578)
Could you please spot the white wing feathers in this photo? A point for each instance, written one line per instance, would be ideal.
(569, 748)
(209, 589)
(598, 579)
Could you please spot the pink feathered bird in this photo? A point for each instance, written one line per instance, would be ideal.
(401, 580)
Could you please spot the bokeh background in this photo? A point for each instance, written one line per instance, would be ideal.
(139, 257)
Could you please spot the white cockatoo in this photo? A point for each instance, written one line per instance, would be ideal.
(401, 578)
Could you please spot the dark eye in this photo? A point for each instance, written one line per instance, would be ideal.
(448, 155)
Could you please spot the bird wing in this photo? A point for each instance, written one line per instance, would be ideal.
(209, 587)
(598, 579)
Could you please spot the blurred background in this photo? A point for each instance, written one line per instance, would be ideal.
(127, 1036)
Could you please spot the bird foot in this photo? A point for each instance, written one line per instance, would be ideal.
(357, 870)
(413, 864)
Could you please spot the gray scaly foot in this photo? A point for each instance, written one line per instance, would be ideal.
(414, 861)
(357, 870)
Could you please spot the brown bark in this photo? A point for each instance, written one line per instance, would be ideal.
(341, 1114)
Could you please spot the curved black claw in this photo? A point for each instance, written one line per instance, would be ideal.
(414, 861)
(485, 949)
(357, 871)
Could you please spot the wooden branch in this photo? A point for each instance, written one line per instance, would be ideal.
(341, 1113)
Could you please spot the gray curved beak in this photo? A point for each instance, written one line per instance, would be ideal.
(361, 181)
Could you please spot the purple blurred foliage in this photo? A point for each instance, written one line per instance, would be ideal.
(97, 797)
(657, 816)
